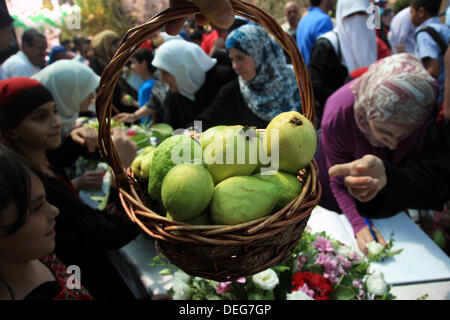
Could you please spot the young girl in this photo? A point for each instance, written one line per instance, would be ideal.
(84, 235)
(28, 270)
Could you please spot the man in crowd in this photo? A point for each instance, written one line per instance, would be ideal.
(315, 23)
(29, 60)
(292, 14)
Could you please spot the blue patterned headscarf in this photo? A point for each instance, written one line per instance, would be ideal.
(274, 89)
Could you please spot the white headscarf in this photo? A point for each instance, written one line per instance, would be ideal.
(70, 83)
(358, 42)
(187, 62)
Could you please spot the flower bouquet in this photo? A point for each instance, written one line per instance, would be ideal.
(320, 268)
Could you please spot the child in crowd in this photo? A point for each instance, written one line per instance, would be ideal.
(432, 38)
(141, 65)
(28, 269)
(32, 127)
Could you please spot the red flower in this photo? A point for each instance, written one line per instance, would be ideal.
(322, 286)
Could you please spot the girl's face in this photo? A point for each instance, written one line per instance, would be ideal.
(41, 129)
(243, 64)
(391, 133)
(169, 79)
(36, 237)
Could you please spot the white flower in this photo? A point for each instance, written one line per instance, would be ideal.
(266, 280)
(180, 286)
(182, 276)
(298, 295)
(344, 251)
(374, 247)
(376, 283)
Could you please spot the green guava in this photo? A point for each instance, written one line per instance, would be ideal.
(209, 135)
(241, 199)
(172, 151)
(141, 164)
(187, 190)
(287, 185)
(232, 152)
(294, 138)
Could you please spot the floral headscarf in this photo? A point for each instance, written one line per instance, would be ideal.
(101, 46)
(274, 89)
(395, 89)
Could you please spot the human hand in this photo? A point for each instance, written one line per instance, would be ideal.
(219, 12)
(125, 117)
(126, 148)
(364, 236)
(89, 180)
(85, 136)
(364, 177)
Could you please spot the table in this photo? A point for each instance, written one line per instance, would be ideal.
(138, 254)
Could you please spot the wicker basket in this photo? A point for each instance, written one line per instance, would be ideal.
(221, 253)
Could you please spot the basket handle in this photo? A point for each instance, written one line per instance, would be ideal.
(137, 35)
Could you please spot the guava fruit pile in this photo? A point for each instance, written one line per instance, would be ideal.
(230, 174)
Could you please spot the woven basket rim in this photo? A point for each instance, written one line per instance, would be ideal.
(151, 222)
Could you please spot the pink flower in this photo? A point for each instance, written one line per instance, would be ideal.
(326, 261)
(241, 280)
(223, 287)
(305, 289)
(344, 262)
(323, 245)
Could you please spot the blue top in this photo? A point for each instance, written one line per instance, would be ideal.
(426, 47)
(311, 26)
(145, 92)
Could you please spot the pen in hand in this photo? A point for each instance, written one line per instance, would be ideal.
(369, 223)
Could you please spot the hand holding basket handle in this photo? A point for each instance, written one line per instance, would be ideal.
(217, 252)
(219, 12)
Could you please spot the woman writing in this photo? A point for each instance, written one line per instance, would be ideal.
(384, 112)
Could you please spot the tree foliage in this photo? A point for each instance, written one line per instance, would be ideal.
(99, 15)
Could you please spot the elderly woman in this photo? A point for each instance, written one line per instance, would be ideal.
(266, 85)
(72, 85)
(384, 113)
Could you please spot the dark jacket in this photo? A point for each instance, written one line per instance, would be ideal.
(229, 108)
(179, 111)
(326, 71)
(83, 234)
(423, 182)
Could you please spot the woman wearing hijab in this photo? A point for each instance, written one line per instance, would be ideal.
(336, 54)
(193, 78)
(384, 112)
(73, 87)
(104, 45)
(266, 85)
(32, 128)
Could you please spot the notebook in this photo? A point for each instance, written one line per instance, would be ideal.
(420, 261)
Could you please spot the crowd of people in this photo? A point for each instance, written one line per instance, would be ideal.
(382, 110)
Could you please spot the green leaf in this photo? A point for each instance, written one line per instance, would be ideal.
(344, 293)
(165, 272)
